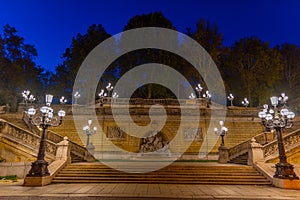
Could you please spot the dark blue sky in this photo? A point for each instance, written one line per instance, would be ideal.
(50, 25)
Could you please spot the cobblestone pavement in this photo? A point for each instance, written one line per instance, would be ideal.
(12, 191)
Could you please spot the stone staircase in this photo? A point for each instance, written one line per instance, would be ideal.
(241, 159)
(239, 154)
(176, 173)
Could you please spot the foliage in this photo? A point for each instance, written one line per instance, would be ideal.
(252, 69)
(10, 177)
(63, 80)
(210, 38)
(143, 56)
(290, 56)
(207, 34)
(18, 69)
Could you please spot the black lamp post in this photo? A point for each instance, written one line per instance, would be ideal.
(102, 95)
(230, 98)
(88, 131)
(199, 90)
(76, 97)
(27, 96)
(277, 119)
(109, 88)
(44, 120)
(245, 102)
(207, 97)
(222, 132)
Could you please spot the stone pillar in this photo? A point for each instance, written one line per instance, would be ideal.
(63, 150)
(255, 152)
(223, 154)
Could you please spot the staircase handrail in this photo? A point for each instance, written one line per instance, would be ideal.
(27, 137)
(288, 140)
(242, 147)
(76, 149)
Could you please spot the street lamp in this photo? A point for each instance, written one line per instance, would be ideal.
(44, 119)
(192, 96)
(88, 131)
(230, 98)
(101, 95)
(207, 96)
(115, 95)
(109, 88)
(199, 90)
(76, 97)
(27, 96)
(222, 132)
(283, 99)
(278, 118)
(245, 102)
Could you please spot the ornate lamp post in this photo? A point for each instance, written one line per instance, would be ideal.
(76, 97)
(44, 120)
(245, 102)
(222, 132)
(109, 88)
(199, 90)
(101, 95)
(207, 96)
(27, 97)
(192, 96)
(279, 118)
(115, 95)
(88, 131)
(230, 98)
(283, 99)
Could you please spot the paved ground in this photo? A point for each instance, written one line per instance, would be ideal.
(12, 191)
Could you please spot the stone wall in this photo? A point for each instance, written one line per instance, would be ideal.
(20, 169)
(242, 124)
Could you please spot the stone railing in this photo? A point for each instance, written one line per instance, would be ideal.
(76, 149)
(141, 101)
(243, 147)
(26, 137)
(288, 140)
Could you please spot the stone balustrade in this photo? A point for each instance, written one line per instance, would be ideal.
(25, 137)
(76, 149)
(288, 140)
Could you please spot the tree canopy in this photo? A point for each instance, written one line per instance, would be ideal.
(18, 68)
(250, 67)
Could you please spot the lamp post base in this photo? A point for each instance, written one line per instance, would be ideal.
(39, 168)
(285, 171)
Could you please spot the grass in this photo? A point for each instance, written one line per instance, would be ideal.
(10, 177)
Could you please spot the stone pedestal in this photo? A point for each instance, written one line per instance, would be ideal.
(255, 152)
(62, 158)
(91, 148)
(223, 154)
(63, 150)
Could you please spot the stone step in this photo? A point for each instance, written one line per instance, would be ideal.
(168, 181)
(179, 173)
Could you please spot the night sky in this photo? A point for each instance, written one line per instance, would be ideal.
(50, 25)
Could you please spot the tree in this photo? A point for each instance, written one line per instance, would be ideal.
(290, 56)
(74, 56)
(143, 56)
(18, 69)
(207, 34)
(209, 37)
(252, 69)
